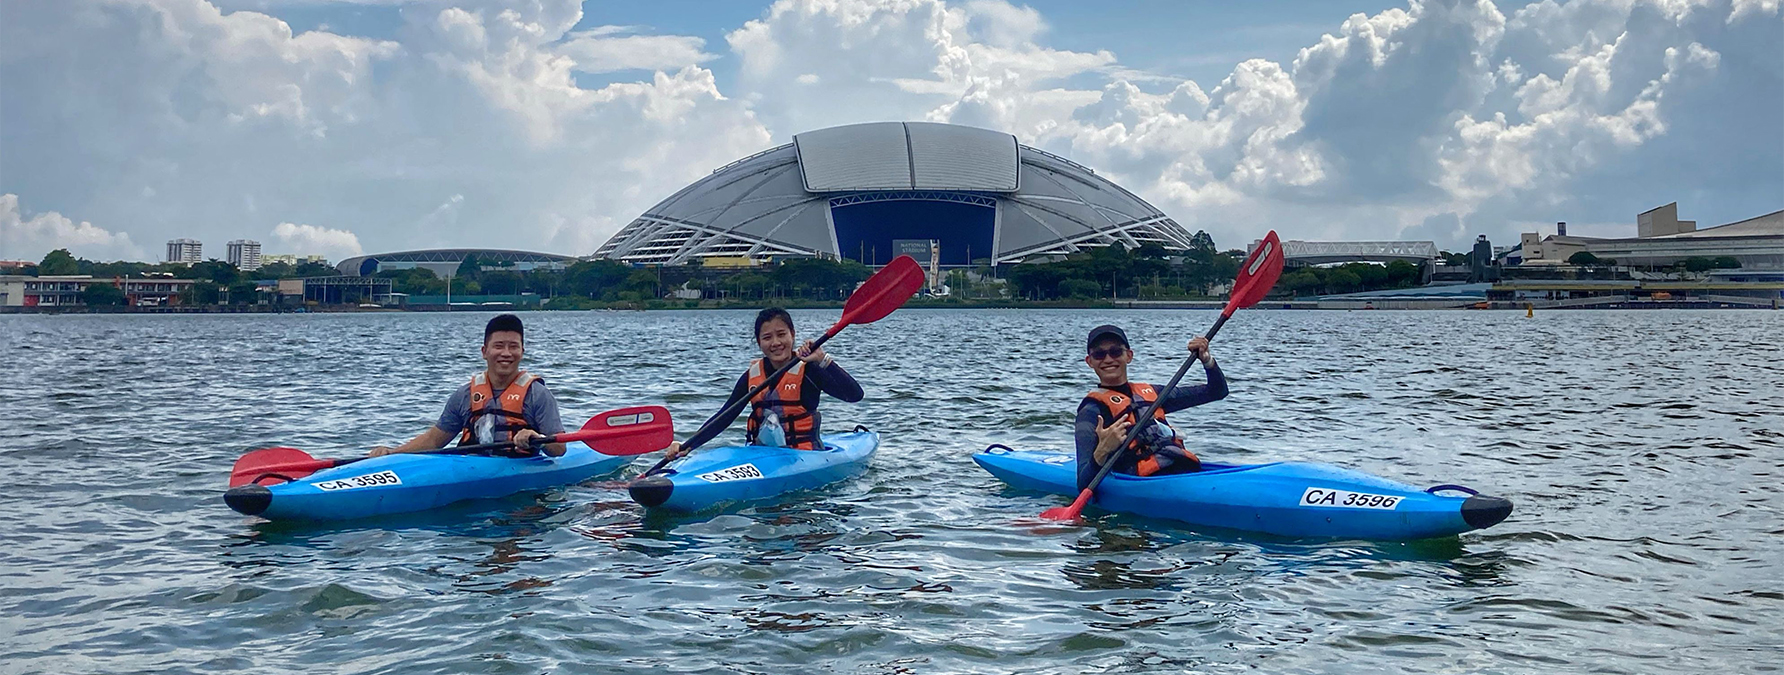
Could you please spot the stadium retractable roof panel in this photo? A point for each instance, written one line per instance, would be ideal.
(907, 156)
(874, 156)
(950, 157)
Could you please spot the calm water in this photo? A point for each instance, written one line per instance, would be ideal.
(1644, 451)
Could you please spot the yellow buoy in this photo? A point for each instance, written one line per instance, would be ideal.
(1529, 310)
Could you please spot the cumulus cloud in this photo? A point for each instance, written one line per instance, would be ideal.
(902, 59)
(23, 238)
(313, 240)
(608, 49)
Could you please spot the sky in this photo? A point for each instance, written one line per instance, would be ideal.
(340, 127)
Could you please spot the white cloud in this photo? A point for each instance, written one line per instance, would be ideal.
(607, 49)
(31, 238)
(468, 128)
(898, 60)
(313, 240)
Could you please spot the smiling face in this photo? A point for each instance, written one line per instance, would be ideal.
(502, 351)
(1109, 358)
(775, 338)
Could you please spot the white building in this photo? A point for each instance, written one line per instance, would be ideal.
(185, 251)
(245, 254)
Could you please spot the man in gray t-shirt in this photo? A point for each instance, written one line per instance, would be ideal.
(501, 403)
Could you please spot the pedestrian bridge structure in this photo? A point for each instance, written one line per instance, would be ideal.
(1299, 252)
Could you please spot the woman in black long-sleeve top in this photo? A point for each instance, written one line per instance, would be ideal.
(1107, 412)
(785, 414)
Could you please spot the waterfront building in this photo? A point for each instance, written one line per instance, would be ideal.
(853, 191)
(186, 251)
(65, 290)
(445, 261)
(1663, 240)
(245, 254)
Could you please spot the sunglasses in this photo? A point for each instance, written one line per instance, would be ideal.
(1112, 352)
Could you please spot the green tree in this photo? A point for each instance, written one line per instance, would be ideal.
(59, 262)
(314, 269)
(1726, 262)
(469, 268)
(1343, 281)
(102, 294)
(1697, 264)
(595, 278)
(1584, 258)
(1080, 288)
(1402, 274)
(642, 282)
(244, 292)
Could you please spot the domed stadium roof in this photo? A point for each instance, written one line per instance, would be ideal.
(445, 260)
(856, 191)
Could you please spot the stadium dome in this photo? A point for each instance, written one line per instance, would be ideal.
(868, 191)
(445, 261)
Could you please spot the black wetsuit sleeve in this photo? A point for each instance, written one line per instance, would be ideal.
(1189, 396)
(1084, 433)
(717, 424)
(832, 380)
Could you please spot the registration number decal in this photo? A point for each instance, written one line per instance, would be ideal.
(368, 480)
(739, 472)
(1345, 499)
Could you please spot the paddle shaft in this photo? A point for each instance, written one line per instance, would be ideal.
(744, 400)
(481, 447)
(1145, 416)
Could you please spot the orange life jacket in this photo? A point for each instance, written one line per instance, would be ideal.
(786, 400)
(508, 409)
(1121, 406)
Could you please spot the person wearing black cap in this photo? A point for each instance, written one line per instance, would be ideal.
(1107, 412)
(502, 403)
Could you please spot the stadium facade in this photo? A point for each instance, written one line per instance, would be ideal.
(866, 191)
(445, 261)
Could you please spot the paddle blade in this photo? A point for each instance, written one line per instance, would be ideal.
(1069, 512)
(883, 292)
(626, 431)
(1258, 275)
(278, 464)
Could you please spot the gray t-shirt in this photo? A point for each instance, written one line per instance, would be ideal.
(540, 408)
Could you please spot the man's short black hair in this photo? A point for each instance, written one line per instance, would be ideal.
(504, 322)
(771, 314)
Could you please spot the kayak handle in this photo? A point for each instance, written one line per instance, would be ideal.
(861, 428)
(999, 446)
(1436, 488)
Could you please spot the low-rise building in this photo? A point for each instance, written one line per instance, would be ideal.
(65, 291)
(1663, 240)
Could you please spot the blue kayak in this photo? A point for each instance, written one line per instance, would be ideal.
(711, 478)
(1289, 499)
(404, 483)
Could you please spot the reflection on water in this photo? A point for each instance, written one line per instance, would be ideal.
(1646, 536)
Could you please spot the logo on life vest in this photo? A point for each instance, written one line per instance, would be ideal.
(514, 397)
(790, 386)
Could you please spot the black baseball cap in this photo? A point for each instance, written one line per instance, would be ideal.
(1105, 331)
